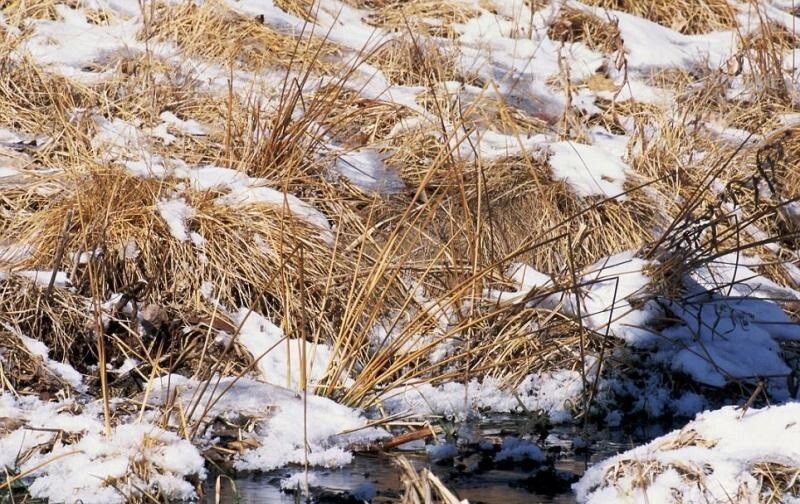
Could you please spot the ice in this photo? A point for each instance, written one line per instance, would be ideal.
(442, 451)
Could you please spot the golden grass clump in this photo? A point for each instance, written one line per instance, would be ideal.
(685, 16)
(36, 9)
(432, 17)
(35, 102)
(781, 161)
(573, 25)
(414, 61)
(57, 318)
(20, 12)
(116, 214)
(777, 481)
(519, 189)
(22, 372)
(472, 109)
(217, 33)
(355, 121)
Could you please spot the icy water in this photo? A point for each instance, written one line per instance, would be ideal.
(508, 485)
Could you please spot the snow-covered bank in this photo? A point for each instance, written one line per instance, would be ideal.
(723, 456)
(62, 452)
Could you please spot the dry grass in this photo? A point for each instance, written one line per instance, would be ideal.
(424, 487)
(213, 31)
(410, 61)
(398, 286)
(685, 16)
(417, 15)
(413, 264)
(573, 25)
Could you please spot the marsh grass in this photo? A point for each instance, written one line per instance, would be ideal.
(398, 276)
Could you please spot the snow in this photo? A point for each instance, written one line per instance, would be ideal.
(176, 212)
(589, 170)
(280, 430)
(727, 325)
(96, 459)
(241, 190)
(115, 138)
(279, 360)
(730, 333)
(84, 470)
(517, 450)
(40, 278)
(650, 46)
(732, 442)
(608, 287)
(606, 290)
(187, 127)
(526, 280)
(71, 45)
(549, 392)
(62, 370)
(365, 168)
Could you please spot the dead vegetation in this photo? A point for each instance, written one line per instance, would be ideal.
(573, 25)
(214, 32)
(384, 279)
(685, 16)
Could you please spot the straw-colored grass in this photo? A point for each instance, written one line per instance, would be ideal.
(685, 16)
(413, 264)
(573, 25)
(416, 15)
(217, 33)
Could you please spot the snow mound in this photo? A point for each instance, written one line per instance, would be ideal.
(67, 457)
(722, 456)
(279, 435)
(549, 392)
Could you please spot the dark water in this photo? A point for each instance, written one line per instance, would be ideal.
(516, 484)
